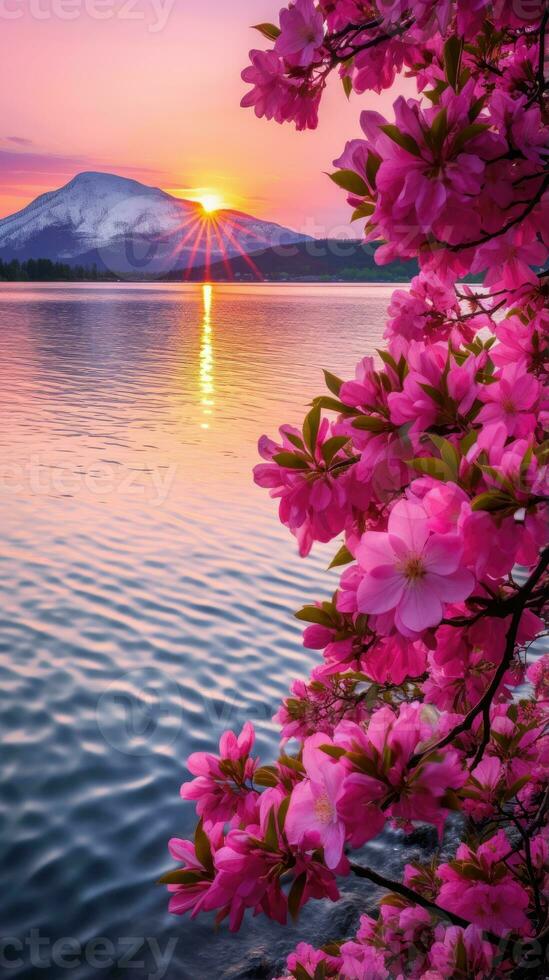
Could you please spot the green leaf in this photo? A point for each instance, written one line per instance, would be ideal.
(451, 800)
(439, 129)
(332, 948)
(334, 406)
(350, 181)
(448, 452)
(477, 107)
(470, 872)
(435, 93)
(404, 140)
(387, 359)
(433, 393)
(291, 763)
(296, 894)
(271, 833)
(202, 848)
(492, 501)
(468, 440)
(431, 466)
(526, 460)
(365, 210)
(515, 787)
(393, 900)
(282, 811)
(182, 876)
(296, 441)
(347, 83)
(332, 446)
(266, 776)
(333, 383)
(270, 31)
(290, 461)
(499, 478)
(310, 428)
(335, 751)
(468, 133)
(453, 50)
(369, 423)
(373, 164)
(343, 557)
(312, 614)
(371, 696)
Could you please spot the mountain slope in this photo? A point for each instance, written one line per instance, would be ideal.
(129, 228)
(328, 260)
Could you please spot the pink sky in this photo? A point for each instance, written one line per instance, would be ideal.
(152, 91)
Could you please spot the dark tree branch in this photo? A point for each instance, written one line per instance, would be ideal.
(510, 224)
(483, 706)
(416, 898)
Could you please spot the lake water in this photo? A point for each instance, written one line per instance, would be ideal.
(147, 597)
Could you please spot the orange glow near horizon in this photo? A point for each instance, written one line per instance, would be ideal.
(210, 199)
(162, 106)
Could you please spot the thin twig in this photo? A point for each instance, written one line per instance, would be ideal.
(483, 706)
(510, 224)
(416, 898)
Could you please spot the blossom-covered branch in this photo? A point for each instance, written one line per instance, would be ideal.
(429, 472)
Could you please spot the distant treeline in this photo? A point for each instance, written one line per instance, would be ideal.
(44, 270)
(319, 261)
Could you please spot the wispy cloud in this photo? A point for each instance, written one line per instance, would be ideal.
(26, 173)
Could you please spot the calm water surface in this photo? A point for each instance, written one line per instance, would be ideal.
(147, 592)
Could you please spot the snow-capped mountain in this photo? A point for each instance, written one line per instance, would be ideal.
(129, 228)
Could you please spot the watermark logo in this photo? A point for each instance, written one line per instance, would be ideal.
(133, 953)
(140, 712)
(153, 14)
(149, 483)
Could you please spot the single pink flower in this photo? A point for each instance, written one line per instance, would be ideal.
(411, 571)
(222, 787)
(511, 399)
(312, 814)
(301, 33)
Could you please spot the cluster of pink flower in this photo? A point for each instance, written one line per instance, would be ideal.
(432, 466)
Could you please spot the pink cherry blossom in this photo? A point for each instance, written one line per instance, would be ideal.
(302, 33)
(462, 949)
(312, 814)
(430, 467)
(411, 571)
(512, 400)
(222, 787)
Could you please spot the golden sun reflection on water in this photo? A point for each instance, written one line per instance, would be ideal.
(206, 374)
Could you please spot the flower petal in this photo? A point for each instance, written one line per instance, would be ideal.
(442, 553)
(408, 521)
(374, 549)
(420, 606)
(451, 588)
(380, 590)
(334, 839)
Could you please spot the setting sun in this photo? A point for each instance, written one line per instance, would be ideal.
(210, 202)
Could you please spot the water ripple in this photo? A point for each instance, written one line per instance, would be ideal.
(147, 593)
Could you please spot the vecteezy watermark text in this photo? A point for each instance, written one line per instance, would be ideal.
(148, 482)
(143, 953)
(154, 14)
(140, 712)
